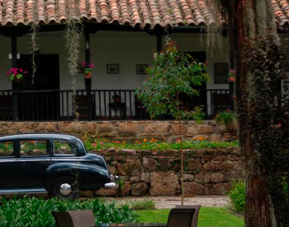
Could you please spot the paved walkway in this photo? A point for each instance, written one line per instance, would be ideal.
(168, 202)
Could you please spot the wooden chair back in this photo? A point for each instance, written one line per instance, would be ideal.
(181, 217)
(196, 213)
(76, 218)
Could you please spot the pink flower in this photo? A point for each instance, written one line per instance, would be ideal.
(94, 144)
(21, 70)
(83, 64)
(232, 71)
(101, 143)
(25, 72)
(91, 65)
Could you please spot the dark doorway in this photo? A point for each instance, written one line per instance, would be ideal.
(39, 99)
(191, 102)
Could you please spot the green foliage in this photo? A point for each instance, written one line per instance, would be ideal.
(172, 74)
(153, 144)
(237, 196)
(147, 204)
(33, 212)
(225, 117)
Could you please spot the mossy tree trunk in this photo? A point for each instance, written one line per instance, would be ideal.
(258, 121)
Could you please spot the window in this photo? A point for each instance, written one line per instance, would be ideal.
(63, 148)
(33, 148)
(6, 149)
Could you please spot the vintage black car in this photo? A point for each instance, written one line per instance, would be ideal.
(58, 164)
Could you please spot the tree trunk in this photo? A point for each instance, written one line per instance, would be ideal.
(259, 211)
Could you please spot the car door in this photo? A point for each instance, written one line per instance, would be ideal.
(34, 158)
(8, 166)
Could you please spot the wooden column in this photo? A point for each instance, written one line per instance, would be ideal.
(88, 81)
(159, 42)
(15, 86)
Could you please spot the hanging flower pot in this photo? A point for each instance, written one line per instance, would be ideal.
(231, 79)
(15, 74)
(231, 75)
(88, 75)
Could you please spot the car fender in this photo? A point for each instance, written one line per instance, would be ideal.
(88, 176)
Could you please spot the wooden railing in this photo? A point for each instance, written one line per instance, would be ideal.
(58, 105)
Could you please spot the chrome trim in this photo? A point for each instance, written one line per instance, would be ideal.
(65, 189)
(110, 185)
(23, 191)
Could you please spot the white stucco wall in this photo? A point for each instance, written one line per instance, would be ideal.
(124, 48)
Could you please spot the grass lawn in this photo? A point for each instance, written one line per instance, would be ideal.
(208, 217)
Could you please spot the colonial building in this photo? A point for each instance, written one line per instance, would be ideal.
(118, 38)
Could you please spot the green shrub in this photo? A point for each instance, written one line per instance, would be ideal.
(237, 196)
(146, 204)
(225, 117)
(33, 212)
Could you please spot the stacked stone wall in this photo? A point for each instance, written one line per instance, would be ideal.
(127, 130)
(157, 173)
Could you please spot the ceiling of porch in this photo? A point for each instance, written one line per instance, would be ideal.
(136, 13)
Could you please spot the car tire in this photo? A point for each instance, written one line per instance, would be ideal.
(65, 188)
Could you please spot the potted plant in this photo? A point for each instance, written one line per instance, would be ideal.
(231, 75)
(15, 74)
(87, 69)
(116, 98)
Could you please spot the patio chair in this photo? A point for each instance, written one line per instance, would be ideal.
(196, 213)
(181, 217)
(75, 218)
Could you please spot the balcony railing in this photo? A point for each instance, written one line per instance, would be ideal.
(58, 105)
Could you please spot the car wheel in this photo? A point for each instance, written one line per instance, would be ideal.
(65, 188)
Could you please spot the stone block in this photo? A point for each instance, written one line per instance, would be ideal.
(164, 184)
(199, 177)
(229, 176)
(189, 177)
(217, 177)
(106, 192)
(216, 138)
(164, 163)
(209, 166)
(192, 188)
(134, 179)
(176, 129)
(139, 189)
(192, 130)
(206, 129)
(149, 164)
(127, 129)
(225, 166)
(145, 177)
(125, 189)
(207, 177)
(194, 164)
(221, 188)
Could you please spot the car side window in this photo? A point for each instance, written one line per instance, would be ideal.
(63, 148)
(33, 148)
(6, 149)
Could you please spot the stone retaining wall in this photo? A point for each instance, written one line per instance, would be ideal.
(157, 173)
(127, 130)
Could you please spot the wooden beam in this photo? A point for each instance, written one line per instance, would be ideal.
(159, 43)
(88, 80)
(15, 86)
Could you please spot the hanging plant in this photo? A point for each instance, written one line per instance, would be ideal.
(15, 74)
(231, 75)
(86, 69)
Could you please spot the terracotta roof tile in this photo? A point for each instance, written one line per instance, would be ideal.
(133, 12)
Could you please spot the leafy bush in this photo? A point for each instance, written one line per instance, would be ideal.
(237, 196)
(33, 212)
(225, 117)
(146, 204)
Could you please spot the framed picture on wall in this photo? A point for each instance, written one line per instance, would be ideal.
(221, 71)
(141, 69)
(112, 68)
